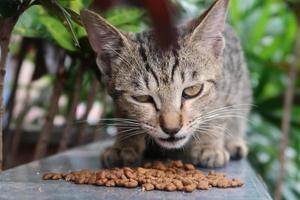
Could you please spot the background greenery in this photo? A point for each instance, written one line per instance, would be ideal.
(267, 30)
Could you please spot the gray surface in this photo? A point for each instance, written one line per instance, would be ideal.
(25, 182)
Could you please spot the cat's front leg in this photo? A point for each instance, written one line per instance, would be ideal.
(126, 151)
(208, 150)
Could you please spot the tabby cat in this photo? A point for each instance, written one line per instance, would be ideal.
(189, 102)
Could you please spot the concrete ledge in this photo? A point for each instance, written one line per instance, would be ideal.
(24, 182)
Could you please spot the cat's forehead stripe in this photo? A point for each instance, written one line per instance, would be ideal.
(176, 62)
(182, 76)
(142, 53)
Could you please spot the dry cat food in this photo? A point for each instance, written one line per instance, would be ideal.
(168, 176)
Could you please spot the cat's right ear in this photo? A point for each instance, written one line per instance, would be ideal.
(207, 30)
(105, 40)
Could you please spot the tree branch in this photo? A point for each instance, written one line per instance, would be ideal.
(41, 148)
(71, 116)
(6, 25)
(288, 105)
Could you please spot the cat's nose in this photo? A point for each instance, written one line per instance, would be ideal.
(171, 132)
(170, 122)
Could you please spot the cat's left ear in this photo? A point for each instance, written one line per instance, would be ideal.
(105, 40)
(207, 30)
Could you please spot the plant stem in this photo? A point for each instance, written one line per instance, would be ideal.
(24, 47)
(288, 105)
(71, 116)
(7, 25)
(94, 89)
(18, 129)
(43, 141)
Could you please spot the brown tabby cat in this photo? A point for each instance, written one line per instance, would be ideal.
(189, 102)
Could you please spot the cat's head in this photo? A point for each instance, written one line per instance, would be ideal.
(165, 91)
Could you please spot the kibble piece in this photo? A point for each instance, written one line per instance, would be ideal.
(48, 176)
(92, 179)
(131, 183)
(186, 181)
(110, 183)
(111, 176)
(101, 182)
(189, 188)
(160, 174)
(141, 170)
(158, 165)
(177, 163)
(69, 177)
(56, 176)
(148, 186)
(129, 174)
(189, 166)
(160, 186)
(203, 185)
(178, 184)
(213, 182)
(223, 183)
(81, 180)
(119, 173)
(236, 183)
(170, 187)
(101, 175)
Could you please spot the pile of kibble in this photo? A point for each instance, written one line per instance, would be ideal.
(168, 176)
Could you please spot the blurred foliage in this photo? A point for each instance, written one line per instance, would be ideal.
(267, 30)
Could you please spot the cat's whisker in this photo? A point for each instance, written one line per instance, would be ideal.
(237, 110)
(205, 132)
(205, 119)
(128, 130)
(232, 107)
(107, 120)
(226, 117)
(137, 132)
(223, 113)
(232, 110)
(133, 123)
(123, 125)
(126, 136)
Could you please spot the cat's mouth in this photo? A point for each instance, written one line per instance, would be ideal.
(172, 142)
(172, 139)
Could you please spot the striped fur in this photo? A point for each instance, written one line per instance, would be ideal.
(211, 126)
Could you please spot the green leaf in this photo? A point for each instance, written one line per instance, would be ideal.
(70, 26)
(259, 28)
(235, 12)
(122, 16)
(60, 12)
(29, 24)
(58, 32)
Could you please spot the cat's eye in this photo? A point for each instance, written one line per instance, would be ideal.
(192, 91)
(143, 98)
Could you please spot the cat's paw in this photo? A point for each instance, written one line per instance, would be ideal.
(237, 149)
(113, 157)
(210, 157)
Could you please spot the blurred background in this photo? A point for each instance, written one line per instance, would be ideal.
(53, 96)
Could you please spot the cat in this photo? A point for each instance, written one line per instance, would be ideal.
(189, 102)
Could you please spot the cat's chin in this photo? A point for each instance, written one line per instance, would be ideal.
(176, 144)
